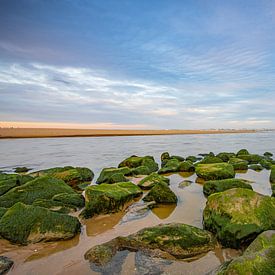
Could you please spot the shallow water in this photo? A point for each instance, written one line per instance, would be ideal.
(67, 257)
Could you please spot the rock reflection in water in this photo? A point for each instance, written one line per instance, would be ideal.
(163, 211)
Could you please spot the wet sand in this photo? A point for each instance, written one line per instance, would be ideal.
(52, 132)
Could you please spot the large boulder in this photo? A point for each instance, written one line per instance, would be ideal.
(161, 193)
(108, 198)
(5, 265)
(76, 200)
(150, 181)
(255, 167)
(210, 159)
(141, 170)
(25, 224)
(171, 166)
(55, 206)
(112, 174)
(186, 166)
(73, 176)
(266, 164)
(258, 258)
(215, 186)
(9, 181)
(238, 164)
(215, 171)
(238, 215)
(251, 158)
(135, 161)
(242, 152)
(169, 241)
(39, 188)
(3, 210)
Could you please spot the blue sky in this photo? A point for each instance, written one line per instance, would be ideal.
(138, 64)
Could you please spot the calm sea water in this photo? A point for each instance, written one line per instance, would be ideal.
(98, 152)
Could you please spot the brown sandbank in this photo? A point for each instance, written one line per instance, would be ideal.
(54, 132)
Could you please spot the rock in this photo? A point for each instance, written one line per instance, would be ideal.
(73, 176)
(179, 158)
(108, 198)
(186, 166)
(192, 159)
(225, 156)
(164, 156)
(141, 170)
(168, 241)
(185, 183)
(5, 265)
(238, 215)
(135, 161)
(21, 169)
(265, 164)
(215, 186)
(252, 159)
(238, 164)
(108, 175)
(3, 210)
(150, 181)
(25, 224)
(9, 181)
(255, 167)
(76, 200)
(268, 154)
(55, 206)
(161, 193)
(39, 188)
(243, 152)
(215, 171)
(171, 166)
(272, 180)
(210, 159)
(258, 258)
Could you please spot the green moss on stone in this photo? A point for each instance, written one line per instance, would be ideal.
(210, 159)
(108, 198)
(55, 206)
(25, 224)
(76, 200)
(192, 158)
(252, 158)
(149, 181)
(171, 166)
(238, 215)
(265, 164)
(5, 265)
(225, 156)
(242, 152)
(141, 170)
(161, 193)
(107, 173)
(255, 167)
(215, 186)
(3, 210)
(39, 188)
(238, 164)
(215, 171)
(186, 166)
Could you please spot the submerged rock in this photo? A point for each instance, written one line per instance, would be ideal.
(161, 193)
(108, 198)
(5, 265)
(112, 174)
(238, 164)
(21, 169)
(215, 186)
(25, 224)
(258, 258)
(168, 241)
(238, 215)
(150, 181)
(9, 181)
(70, 175)
(215, 171)
(185, 183)
(39, 188)
(135, 161)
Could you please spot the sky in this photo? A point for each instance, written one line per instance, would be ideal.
(142, 64)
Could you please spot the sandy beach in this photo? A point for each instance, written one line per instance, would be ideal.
(51, 132)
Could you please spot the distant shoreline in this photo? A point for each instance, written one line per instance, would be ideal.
(52, 132)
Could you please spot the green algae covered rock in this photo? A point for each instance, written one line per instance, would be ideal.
(135, 161)
(242, 152)
(108, 198)
(70, 175)
(25, 224)
(225, 156)
(168, 241)
(272, 179)
(186, 166)
(55, 206)
(21, 169)
(211, 159)
(265, 164)
(39, 188)
(9, 181)
(150, 181)
(238, 215)
(3, 210)
(215, 171)
(76, 200)
(255, 167)
(215, 186)
(5, 265)
(238, 164)
(251, 158)
(141, 170)
(161, 193)
(192, 159)
(171, 166)
(258, 258)
(108, 175)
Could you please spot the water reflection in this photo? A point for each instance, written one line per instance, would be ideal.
(164, 211)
